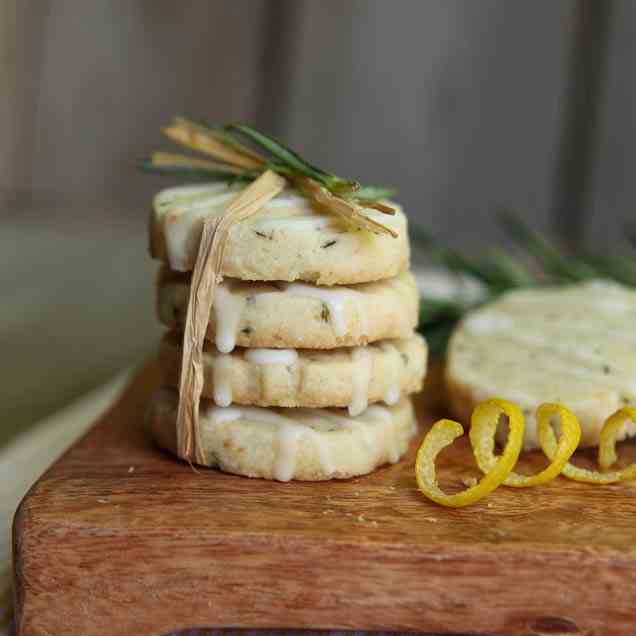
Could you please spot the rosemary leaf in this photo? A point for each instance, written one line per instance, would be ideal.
(224, 137)
(372, 193)
(453, 260)
(556, 264)
(437, 337)
(171, 159)
(508, 272)
(618, 268)
(278, 150)
(295, 162)
(191, 172)
(280, 169)
(433, 311)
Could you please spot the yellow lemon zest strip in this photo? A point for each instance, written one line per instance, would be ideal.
(568, 441)
(606, 452)
(482, 436)
(607, 448)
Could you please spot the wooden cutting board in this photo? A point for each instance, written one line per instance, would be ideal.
(121, 538)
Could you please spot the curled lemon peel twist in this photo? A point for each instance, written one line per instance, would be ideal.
(498, 469)
(562, 451)
(606, 452)
(482, 435)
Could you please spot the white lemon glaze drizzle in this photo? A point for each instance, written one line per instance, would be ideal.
(177, 234)
(222, 379)
(352, 424)
(228, 308)
(271, 356)
(383, 415)
(288, 433)
(336, 300)
(307, 416)
(288, 198)
(392, 394)
(285, 459)
(302, 223)
(361, 377)
(185, 210)
(180, 196)
(204, 203)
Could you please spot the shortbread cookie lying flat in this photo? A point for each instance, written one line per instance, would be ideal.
(297, 315)
(287, 240)
(352, 378)
(284, 444)
(575, 345)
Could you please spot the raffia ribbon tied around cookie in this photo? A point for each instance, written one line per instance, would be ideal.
(206, 275)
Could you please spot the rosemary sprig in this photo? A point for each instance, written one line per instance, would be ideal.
(243, 153)
(497, 271)
(437, 337)
(559, 267)
(294, 161)
(613, 266)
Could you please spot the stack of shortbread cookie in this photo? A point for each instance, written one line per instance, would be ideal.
(311, 352)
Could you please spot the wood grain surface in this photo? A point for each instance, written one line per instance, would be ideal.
(120, 538)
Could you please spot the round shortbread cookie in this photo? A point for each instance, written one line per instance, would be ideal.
(296, 315)
(285, 444)
(353, 378)
(574, 345)
(287, 240)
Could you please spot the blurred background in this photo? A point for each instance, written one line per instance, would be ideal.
(464, 106)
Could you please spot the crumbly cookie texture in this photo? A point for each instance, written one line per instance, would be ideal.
(574, 345)
(296, 315)
(353, 378)
(285, 444)
(288, 240)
